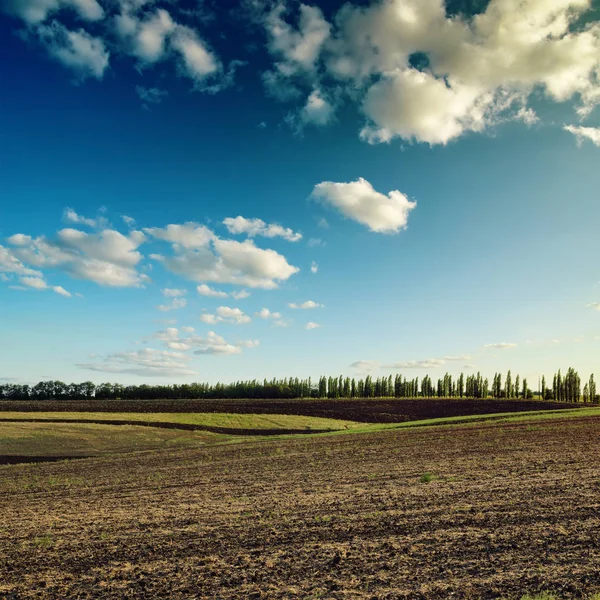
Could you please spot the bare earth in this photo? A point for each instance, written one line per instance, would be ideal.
(510, 509)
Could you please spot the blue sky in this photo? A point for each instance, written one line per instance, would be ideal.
(419, 216)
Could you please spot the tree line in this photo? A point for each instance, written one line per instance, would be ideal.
(565, 387)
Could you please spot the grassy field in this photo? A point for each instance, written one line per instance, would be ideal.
(502, 507)
(227, 423)
(22, 439)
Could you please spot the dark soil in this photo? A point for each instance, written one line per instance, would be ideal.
(506, 509)
(366, 411)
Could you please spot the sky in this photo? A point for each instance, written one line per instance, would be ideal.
(216, 191)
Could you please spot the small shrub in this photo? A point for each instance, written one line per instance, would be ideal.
(426, 477)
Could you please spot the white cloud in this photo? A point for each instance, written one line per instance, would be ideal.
(190, 235)
(146, 38)
(173, 292)
(253, 227)
(9, 263)
(129, 221)
(209, 319)
(77, 50)
(205, 290)
(107, 258)
(240, 295)
(500, 346)
(226, 314)
(238, 263)
(298, 49)
(197, 61)
(312, 242)
(265, 313)
(429, 363)
(582, 133)
(311, 325)
(38, 283)
(414, 105)
(214, 344)
(365, 365)
(305, 305)
(358, 200)
(36, 11)
(594, 305)
(420, 74)
(59, 289)
(71, 216)
(145, 362)
(318, 110)
(314, 267)
(176, 304)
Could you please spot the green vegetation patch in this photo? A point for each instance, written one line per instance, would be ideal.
(228, 421)
(89, 439)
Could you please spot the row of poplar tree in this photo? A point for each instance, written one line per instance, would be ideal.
(565, 387)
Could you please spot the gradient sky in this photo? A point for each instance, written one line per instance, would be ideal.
(417, 187)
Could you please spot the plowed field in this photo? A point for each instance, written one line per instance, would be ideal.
(364, 410)
(487, 511)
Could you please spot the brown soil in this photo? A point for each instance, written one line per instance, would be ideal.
(364, 410)
(511, 508)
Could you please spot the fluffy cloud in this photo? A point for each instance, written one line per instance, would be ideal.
(37, 283)
(107, 258)
(205, 290)
(196, 60)
(297, 49)
(314, 267)
(594, 305)
(229, 261)
(71, 216)
(358, 200)
(240, 295)
(307, 304)
(189, 235)
(500, 345)
(36, 11)
(317, 110)
(253, 227)
(173, 292)
(583, 133)
(311, 325)
(77, 50)
(265, 313)
(176, 304)
(226, 314)
(215, 344)
(9, 263)
(145, 37)
(145, 362)
(420, 74)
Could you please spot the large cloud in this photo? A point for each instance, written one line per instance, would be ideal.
(107, 258)
(420, 74)
(222, 261)
(358, 200)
